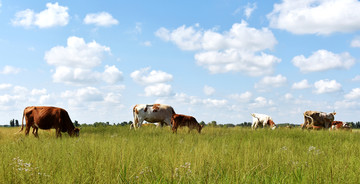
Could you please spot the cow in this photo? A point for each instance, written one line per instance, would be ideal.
(152, 113)
(46, 118)
(262, 119)
(318, 119)
(339, 125)
(180, 120)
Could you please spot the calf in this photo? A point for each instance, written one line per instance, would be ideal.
(179, 120)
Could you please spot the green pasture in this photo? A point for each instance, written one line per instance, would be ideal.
(156, 155)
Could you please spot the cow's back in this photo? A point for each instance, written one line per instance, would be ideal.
(46, 117)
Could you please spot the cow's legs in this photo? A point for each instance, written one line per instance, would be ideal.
(168, 122)
(27, 130)
(254, 125)
(35, 131)
(58, 132)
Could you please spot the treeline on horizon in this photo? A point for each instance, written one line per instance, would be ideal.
(15, 123)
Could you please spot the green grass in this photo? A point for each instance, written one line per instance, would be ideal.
(154, 155)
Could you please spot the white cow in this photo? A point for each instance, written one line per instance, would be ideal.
(152, 113)
(263, 119)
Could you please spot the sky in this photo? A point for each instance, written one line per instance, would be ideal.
(216, 60)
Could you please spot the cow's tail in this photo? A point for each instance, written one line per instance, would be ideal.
(312, 120)
(22, 122)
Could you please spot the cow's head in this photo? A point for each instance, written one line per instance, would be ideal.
(271, 124)
(76, 132)
(199, 128)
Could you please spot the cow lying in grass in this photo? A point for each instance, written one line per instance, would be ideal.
(339, 125)
(179, 120)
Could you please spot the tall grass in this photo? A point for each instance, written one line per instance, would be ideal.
(154, 155)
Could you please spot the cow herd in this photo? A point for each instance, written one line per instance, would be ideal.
(45, 117)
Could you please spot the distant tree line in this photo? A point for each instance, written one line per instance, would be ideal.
(15, 123)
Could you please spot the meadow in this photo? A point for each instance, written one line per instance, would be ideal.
(115, 154)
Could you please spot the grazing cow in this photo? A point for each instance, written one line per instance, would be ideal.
(339, 125)
(152, 114)
(263, 120)
(318, 119)
(47, 118)
(179, 120)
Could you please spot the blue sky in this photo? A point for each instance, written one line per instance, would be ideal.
(214, 60)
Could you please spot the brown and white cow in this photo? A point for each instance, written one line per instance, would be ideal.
(318, 119)
(339, 125)
(44, 117)
(180, 120)
(262, 119)
(152, 113)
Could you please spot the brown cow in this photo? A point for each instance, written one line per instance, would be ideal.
(179, 120)
(318, 119)
(46, 118)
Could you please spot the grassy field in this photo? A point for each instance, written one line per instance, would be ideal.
(154, 155)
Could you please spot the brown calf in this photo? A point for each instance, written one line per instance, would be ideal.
(179, 120)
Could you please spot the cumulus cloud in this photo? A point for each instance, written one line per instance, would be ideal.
(260, 102)
(144, 77)
(271, 82)
(243, 97)
(249, 8)
(160, 89)
(100, 19)
(356, 78)
(355, 42)
(112, 74)
(322, 60)
(155, 81)
(9, 70)
(208, 90)
(354, 94)
(241, 49)
(316, 16)
(5, 86)
(301, 85)
(75, 62)
(326, 86)
(185, 99)
(54, 15)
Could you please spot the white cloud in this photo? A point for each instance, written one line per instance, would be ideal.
(316, 16)
(79, 96)
(112, 74)
(208, 90)
(322, 60)
(354, 94)
(326, 86)
(54, 15)
(356, 78)
(144, 77)
(243, 97)
(5, 86)
(249, 9)
(288, 96)
(154, 81)
(301, 85)
(271, 82)
(260, 102)
(9, 70)
(147, 44)
(100, 19)
(241, 49)
(39, 91)
(355, 42)
(160, 89)
(75, 62)
(184, 99)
